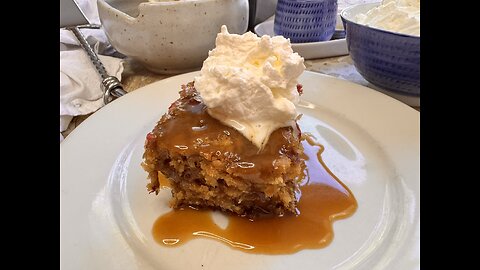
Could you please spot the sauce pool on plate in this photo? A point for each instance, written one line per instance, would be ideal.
(323, 199)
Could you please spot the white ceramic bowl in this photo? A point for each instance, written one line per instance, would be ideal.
(170, 36)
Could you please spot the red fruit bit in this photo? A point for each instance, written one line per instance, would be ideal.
(300, 89)
(150, 136)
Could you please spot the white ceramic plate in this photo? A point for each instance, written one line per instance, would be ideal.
(371, 143)
(310, 50)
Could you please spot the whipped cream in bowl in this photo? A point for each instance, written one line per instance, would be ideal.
(400, 16)
(250, 83)
(383, 40)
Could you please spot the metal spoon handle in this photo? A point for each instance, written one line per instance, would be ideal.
(111, 86)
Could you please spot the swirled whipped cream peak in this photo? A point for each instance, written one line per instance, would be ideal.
(401, 16)
(249, 83)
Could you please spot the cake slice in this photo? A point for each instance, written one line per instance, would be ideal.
(211, 165)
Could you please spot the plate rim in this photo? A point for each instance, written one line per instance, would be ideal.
(313, 50)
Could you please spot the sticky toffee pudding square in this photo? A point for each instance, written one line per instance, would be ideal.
(211, 165)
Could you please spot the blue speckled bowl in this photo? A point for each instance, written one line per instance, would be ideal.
(386, 59)
(305, 20)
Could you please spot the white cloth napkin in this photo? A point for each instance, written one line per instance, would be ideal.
(80, 84)
(80, 90)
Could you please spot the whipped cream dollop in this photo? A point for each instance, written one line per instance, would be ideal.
(249, 83)
(400, 16)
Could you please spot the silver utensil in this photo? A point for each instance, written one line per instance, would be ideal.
(111, 86)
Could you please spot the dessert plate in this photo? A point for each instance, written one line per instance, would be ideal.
(309, 50)
(371, 143)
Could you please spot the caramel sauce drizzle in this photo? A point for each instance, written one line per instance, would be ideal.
(324, 199)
